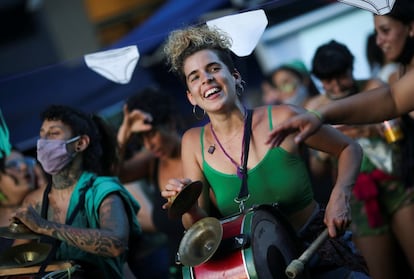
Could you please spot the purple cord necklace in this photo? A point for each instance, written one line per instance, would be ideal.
(239, 168)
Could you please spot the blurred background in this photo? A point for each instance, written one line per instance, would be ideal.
(43, 42)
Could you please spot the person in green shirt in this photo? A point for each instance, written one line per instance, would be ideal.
(215, 153)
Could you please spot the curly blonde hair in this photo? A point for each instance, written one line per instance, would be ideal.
(185, 42)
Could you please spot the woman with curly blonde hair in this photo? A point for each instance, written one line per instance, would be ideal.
(216, 153)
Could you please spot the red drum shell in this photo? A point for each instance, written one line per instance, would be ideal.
(272, 247)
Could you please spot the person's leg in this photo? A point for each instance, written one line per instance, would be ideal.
(399, 203)
(376, 244)
(378, 252)
(403, 227)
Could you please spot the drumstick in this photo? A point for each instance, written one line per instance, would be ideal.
(297, 266)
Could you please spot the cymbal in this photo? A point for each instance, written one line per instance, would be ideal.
(200, 242)
(5, 232)
(24, 255)
(185, 199)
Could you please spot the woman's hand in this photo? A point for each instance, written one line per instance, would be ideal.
(172, 189)
(30, 218)
(306, 123)
(338, 212)
(135, 121)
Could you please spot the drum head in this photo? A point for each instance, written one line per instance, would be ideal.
(274, 244)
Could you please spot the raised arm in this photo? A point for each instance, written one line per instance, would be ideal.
(372, 106)
(376, 105)
(137, 167)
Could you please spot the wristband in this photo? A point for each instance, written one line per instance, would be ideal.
(317, 114)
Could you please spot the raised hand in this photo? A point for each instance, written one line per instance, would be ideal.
(135, 121)
(305, 123)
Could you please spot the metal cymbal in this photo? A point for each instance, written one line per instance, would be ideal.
(200, 242)
(185, 199)
(24, 255)
(17, 231)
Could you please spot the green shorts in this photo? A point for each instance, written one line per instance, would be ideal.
(392, 195)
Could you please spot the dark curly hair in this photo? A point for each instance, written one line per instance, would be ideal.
(101, 156)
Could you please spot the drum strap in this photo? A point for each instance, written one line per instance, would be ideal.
(44, 209)
(244, 191)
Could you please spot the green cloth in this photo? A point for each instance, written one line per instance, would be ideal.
(89, 218)
(281, 177)
(5, 146)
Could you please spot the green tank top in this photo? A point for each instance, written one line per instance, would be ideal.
(281, 177)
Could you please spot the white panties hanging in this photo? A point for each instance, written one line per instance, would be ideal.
(245, 30)
(115, 64)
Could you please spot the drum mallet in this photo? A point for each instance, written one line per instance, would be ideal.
(297, 266)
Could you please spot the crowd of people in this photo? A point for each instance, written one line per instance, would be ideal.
(100, 195)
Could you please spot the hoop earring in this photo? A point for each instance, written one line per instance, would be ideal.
(240, 88)
(195, 113)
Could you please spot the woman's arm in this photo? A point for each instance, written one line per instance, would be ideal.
(376, 105)
(110, 240)
(348, 154)
(137, 167)
(192, 170)
(372, 106)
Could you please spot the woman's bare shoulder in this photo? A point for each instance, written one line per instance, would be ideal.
(191, 135)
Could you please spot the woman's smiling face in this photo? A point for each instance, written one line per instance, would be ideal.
(391, 36)
(208, 78)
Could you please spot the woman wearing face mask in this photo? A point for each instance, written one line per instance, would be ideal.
(84, 212)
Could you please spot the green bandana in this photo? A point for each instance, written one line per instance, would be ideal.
(5, 146)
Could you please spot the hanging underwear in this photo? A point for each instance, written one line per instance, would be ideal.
(115, 64)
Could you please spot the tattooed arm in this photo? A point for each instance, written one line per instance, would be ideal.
(110, 240)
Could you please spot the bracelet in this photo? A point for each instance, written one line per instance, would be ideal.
(317, 114)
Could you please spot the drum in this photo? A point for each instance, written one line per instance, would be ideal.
(257, 244)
